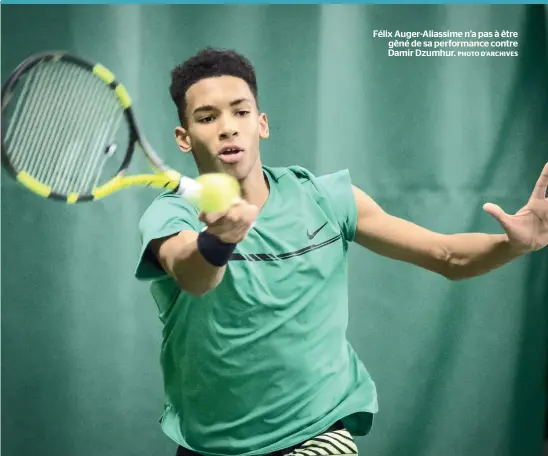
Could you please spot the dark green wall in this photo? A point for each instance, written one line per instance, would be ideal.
(459, 366)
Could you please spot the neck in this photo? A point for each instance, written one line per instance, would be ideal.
(254, 187)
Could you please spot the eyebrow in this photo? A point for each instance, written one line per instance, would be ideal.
(212, 108)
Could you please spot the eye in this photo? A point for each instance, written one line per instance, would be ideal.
(206, 119)
(242, 112)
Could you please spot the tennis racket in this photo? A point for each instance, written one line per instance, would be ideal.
(69, 134)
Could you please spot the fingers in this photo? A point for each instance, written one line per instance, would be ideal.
(210, 217)
(232, 225)
(234, 234)
(542, 184)
(495, 211)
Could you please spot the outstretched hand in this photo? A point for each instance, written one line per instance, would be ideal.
(231, 226)
(527, 229)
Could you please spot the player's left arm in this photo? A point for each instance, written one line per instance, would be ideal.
(455, 256)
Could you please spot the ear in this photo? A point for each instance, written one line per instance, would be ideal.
(263, 126)
(183, 139)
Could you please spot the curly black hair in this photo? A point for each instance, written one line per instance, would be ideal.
(207, 63)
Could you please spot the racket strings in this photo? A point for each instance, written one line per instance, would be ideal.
(47, 162)
(108, 124)
(28, 126)
(30, 92)
(76, 166)
(57, 138)
(63, 122)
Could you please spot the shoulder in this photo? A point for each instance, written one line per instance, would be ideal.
(167, 215)
(323, 183)
(303, 175)
(172, 202)
(169, 206)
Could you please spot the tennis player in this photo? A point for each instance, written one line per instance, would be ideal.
(255, 358)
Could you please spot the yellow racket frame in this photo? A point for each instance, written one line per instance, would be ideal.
(163, 178)
(168, 180)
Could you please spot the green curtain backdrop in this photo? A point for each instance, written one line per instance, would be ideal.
(460, 367)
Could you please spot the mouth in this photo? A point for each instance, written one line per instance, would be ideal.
(231, 154)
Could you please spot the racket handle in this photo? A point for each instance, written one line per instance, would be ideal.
(189, 189)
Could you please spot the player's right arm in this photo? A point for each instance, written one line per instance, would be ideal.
(197, 261)
(180, 258)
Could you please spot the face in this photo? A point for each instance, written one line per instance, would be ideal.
(223, 126)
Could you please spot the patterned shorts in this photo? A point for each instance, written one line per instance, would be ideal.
(336, 441)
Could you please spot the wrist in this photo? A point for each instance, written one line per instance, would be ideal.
(215, 251)
(517, 249)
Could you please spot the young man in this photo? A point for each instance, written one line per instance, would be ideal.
(254, 301)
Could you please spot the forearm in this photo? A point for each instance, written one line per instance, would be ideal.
(182, 260)
(194, 274)
(474, 254)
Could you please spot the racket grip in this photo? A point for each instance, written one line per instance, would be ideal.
(189, 189)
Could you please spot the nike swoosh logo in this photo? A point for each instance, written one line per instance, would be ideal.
(313, 234)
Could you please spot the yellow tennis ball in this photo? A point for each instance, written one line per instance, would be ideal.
(218, 191)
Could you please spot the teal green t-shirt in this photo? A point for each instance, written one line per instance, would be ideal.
(262, 362)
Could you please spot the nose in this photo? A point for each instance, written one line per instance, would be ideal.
(228, 128)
